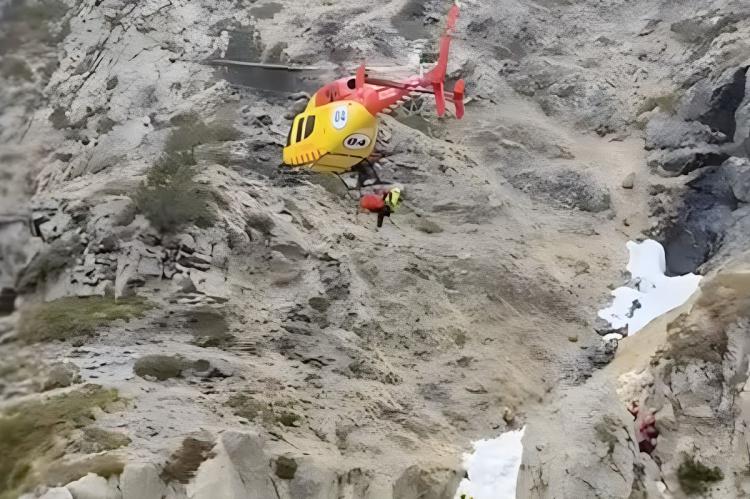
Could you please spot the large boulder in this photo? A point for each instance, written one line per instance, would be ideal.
(93, 486)
(141, 481)
(737, 171)
(668, 132)
(240, 469)
(670, 163)
(714, 101)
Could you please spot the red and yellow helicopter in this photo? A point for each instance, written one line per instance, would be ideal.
(337, 131)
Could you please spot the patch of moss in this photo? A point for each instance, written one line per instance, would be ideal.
(268, 413)
(694, 476)
(95, 440)
(161, 367)
(75, 317)
(171, 198)
(249, 408)
(29, 432)
(186, 460)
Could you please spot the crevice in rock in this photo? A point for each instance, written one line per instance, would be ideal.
(703, 217)
(725, 100)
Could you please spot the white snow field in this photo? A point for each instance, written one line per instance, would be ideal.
(649, 293)
(493, 468)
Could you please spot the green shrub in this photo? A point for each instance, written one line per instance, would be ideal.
(191, 131)
(694, 476)
(29, 432)
(170, 197)
(76, 317)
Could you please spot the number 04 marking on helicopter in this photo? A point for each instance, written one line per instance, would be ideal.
(357, 141)
(337, 130)
(339, 118)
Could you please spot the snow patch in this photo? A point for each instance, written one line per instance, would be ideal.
(649, 293)
(493, 468)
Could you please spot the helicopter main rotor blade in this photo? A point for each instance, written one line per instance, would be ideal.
(280, 67)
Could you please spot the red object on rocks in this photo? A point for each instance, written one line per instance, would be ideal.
(372, 202)
(645, 428)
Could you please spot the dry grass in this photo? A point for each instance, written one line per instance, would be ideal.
(31, 431)
(186, 460)
(76, 317)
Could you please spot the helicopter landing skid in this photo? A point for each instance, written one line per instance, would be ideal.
(367, 176)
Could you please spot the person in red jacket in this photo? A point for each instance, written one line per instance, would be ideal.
(383, 203)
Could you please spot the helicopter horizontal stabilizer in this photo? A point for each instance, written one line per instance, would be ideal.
(458, 98)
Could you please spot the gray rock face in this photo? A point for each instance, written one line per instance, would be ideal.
(737, 171)
(240, 469)
(565, 188)
(715, 102)
(683, 161)
(592, 436)
(667, 132)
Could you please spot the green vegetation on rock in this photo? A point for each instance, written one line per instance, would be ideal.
(191, 131)
(247, 407)
(75, 317)
(170, 198)
(694, 476)
(96, 439)
(32, 431)
(163, 367)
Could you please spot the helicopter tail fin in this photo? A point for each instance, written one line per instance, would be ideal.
(436, 77)
(437, 74)
(360, 76)
(458, 98)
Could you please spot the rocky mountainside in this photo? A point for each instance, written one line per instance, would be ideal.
(183, 319)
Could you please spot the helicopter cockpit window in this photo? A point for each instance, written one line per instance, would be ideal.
(300, 122)
(309, 126)
(296, 127)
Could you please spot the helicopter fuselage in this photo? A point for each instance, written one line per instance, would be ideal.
(338, 128)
